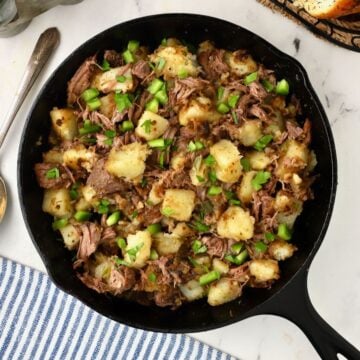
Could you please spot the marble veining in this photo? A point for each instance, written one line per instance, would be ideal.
(334, 72)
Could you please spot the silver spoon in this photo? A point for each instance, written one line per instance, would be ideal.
(44, 47)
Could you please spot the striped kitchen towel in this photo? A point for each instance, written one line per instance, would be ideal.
(39, 321)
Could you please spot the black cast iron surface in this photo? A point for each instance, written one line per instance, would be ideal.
(288, 297)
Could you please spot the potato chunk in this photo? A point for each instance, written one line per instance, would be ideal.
(250, 132)
(281, 250)
(64, 123)
(167, 243)
(108, 105)
(178, 60)
(236, 223)
(264, 270)
(295, 157)
(246, 190)
(192, 290)
(138, 249)
(223, 291)
(71, 236)
(178, 204)
(228, 168)
(53, 156)
(240, 62)
(151, 126)
(178, 161)
(128, 161)
(80, 157)
(220, 266)
(57, 202)
(199, 109)
(107, 81)
(258, 160)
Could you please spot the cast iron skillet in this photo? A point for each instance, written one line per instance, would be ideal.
(288, 297)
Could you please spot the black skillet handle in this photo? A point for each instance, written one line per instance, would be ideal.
(293, 303)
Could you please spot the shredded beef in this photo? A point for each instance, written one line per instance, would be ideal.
(41, 170)
(90, 236)
(141, 69)
(114, 58)
(215, 246)
(121, 279)
(213, 63)
(103, 182)
(81, 80)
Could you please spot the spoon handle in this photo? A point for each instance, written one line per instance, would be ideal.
(44, 47)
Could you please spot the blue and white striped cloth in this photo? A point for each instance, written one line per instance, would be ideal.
(39, 321)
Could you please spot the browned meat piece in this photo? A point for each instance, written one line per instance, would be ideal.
(293, 130)
(103, 182)
(213, 63)
(114, 58)
(169, 296)
(215, 246)
(81, 80)
(240, 273)
(101, 120)
(150, 215)
(140, 105)
(260, 113)
(93, 283)
(90, 236)
(184, 88)
(121, 279)
(41, 170)
(257, 91)
(141, 69)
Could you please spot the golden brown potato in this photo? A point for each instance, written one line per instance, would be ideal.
(236, 223)
(240, 62)
(71, 236)
(227, 168)
(53, 156)
(264, 270)
(178, 204)
(250, 132)
(151, 126)
(64, 123)
(245, 190)
(108, 105)
(138, 249)
(281, 250)
(192, 290)
(128, 161)
(57, 202)
(107, 81)
(166, 244)
(80, 157)
(223, 291)
(199, 109)
(258, 160)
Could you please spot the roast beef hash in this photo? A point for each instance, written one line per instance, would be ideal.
(177, 175)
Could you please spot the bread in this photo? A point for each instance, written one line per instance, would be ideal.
(327, 9)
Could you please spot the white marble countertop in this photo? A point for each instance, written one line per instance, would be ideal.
(334, 280)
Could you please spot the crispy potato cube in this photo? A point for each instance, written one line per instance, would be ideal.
(64, 123)
(128, 161)
(53, 156)
(80, 157)
(178, 204)
(166, 244)
(182, 230)
(220, 266)
(283, 201)
(281, 250)
(89, 194)
(258, 160)
(192, 290)
(240, 62)
(57, 202)
(236, 223)
(245, 190)
(250, 132)
(71, 236)
(295, 157)
(178, 161)
(198, 172)
(228, 168)
(264, 270)
(289, 217)
(223, 291)
(82, 204)
(138, 247)
(103, 270)
(151, 125)
(108, 105)
(199, 109)
(107, 82)
(156, 193)
(177, 59)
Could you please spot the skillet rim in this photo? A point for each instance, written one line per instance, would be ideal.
(304, 78)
